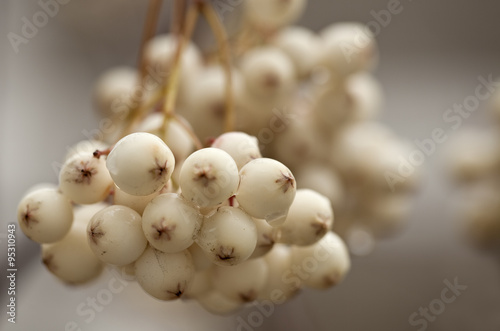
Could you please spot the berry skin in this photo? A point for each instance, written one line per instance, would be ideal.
(323, 264)
(348, 48)
(115, 235)
(228, 237)
(164, 276)
(310, 217)
(269, 15)
(208, 177)
(267, 189)
(302, 46)
(84, 179)
(279, 265)
(45, 215)
(268, 73)
(71, 259)
(242, 282)
(140, 164)
(242, 147)
(115, 90)
(170, 223)
(217, 303)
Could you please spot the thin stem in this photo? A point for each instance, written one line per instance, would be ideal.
(196, 141)
(150, 23)
(179, 12)
(225, 55)
(172, 87)
(148, 33)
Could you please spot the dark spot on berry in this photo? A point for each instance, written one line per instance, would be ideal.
(85, 173)
(225, 253)
(95, 232)
(286, 181)
(203, 174)
(27, 216)
(163, 230)
(179, 291)
(160, 170)
(248, 296)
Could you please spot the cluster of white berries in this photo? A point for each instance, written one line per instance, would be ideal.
(223, 224)
(226, 231)
(309, 98)
(474, 164)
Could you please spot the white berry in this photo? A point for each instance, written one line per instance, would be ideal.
(84, 179)
(71, 259)
(140, 163)
(165, 276)
(208, 177)
(45, 215)
(310, 217)
(170, 223)
(242, 147)
(267, 189)
(228, 237)
(115, 235)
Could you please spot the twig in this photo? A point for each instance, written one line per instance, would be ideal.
(225, 55)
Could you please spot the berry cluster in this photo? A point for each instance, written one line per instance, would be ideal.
(474, 164)
(214, 233)
(309, 98)
(223, 224)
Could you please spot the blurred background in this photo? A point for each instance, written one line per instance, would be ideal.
(431, 55)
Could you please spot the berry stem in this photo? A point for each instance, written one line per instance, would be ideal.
(225, 55)
(150, 24)
(97, 153)
(196, 141)
(172, 86)
(178, 15)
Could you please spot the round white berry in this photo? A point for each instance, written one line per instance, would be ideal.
(267, 189)
(280, 284)
(270, 15)
(159, 54)
(170, 223)
(266, 237)
(200, 284)
(115, 91)
(324, 180)
(323, 264)
(473, 154)
(268, 72)
(84, 213)
(228, 237)
(242, 282)
(137, 203)
(84, 179)
(208, 177)
(347, 48)
(200, 259)
(45, 215)
(140, 163)
(310, 217)
(217, 303)
(302, 46)
(165, 276)
(366, 95)
(71, 259)
(85, 147)
(242, 147)
(174, 134)
(207, 112)
(115, 235)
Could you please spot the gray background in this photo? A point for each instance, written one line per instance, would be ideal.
(431, 56)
